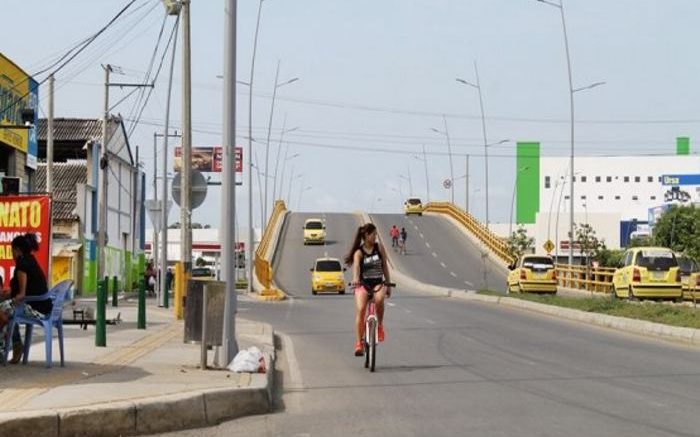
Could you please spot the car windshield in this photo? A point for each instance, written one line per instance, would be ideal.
(328, 266)
(541, 262)
(656, 260)
(687, 265)
(314, 225)
(414, 201)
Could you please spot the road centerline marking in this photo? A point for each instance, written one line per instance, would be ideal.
(434, 255)
(444, 266)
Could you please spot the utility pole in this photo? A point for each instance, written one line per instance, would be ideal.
(267, 147)
(410, 183)
(427, 183)
(466, 186)
(452, 170)
(186, 169)
(49, 139)
(228, 192)
(102, 226)
(155, 247)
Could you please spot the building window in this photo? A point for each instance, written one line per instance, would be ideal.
(660, 179)
(547, 182)
(652, 198)
(597, 178)
(617, 197)
(637, 179)
(583, 197)
(584, 178)
(600, 197)
(566, 197)
(627, 179)
(650, 179)
(574, 178)
(635, 198)
(609, 179)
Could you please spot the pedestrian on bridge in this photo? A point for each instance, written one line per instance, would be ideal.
(394, 232)
(402, 241)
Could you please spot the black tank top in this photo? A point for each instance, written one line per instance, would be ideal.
(371, 268)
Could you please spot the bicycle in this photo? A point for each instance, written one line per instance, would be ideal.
(371, 327)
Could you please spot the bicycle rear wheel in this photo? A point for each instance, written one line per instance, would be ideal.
(372, 355)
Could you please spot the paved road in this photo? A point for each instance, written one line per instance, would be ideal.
(440, 254)
(451, 367)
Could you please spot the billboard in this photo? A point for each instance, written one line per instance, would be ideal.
(208, 159)
(18, 91)
(19, 215)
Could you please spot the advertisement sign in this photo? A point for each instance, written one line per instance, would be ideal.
(681, 179)
(18, 91)
(19, 215)
(208, 159)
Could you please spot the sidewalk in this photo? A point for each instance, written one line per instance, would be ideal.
(144, 381)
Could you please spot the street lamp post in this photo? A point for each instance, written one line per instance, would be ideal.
(277, 164)
(284, 169)
(301, 192)
(512, 203)
(424, 159)
(269, 131)
(446, 133)
(572, 90)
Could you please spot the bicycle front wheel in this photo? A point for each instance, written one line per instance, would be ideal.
(372, 355)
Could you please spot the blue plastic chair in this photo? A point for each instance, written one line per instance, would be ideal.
(54, 320)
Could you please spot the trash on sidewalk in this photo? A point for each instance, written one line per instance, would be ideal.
(249, 360)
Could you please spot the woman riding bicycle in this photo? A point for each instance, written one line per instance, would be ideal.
(370, 273)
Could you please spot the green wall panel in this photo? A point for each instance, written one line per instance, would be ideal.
(527, 181)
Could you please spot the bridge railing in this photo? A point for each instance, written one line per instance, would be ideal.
(478, 229)
(263, 255)
(595, 279)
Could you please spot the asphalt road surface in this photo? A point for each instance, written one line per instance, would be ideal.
(450, 368)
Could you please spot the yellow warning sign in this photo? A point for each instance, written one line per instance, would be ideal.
(548, 246)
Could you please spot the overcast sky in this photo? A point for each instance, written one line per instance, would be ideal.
(375, 77)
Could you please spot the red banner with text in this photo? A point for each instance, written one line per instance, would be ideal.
(19, 215)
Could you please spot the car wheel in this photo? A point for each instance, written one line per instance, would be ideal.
(341, 292)
(615, 296)
(630, 294)
(314, 292)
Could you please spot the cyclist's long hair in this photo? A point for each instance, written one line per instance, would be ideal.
(362, 231)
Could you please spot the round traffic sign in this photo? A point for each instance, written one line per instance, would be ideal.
(199, 188)
(447, 183)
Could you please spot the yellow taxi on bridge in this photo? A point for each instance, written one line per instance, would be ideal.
(328, 275)
(314, 231)
(533, 273)
(648, 272)
(413, 206)
(690, 276)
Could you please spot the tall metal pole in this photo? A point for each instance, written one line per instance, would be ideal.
(427, 183)
(486, 147)
(571, 159)
(466, 186)
(267, 145)
(154, 246)
(289, 193)
(410, 182)
(164, 185)
(49, 139)
(251, 233)
(228, 191)
(452, 170)
(102, 227)
(186, 175)
(277, 163)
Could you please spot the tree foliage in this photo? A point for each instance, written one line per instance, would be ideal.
(679, 229)
(519, 243)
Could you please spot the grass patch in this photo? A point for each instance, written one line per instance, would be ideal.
(668, 314)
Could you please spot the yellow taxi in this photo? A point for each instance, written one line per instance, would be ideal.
(314, 231)
(413, 206)
(533, 274)
(327, 275)
(648, 272)
(690, 277)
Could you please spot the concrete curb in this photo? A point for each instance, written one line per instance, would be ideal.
(152, 415)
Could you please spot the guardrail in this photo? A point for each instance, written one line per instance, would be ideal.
(595, 279)
(491, 240)
(263, 261)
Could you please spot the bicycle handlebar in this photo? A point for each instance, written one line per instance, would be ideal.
(388, 284)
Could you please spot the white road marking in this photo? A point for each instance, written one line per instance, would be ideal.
(444, 266)
(422, 236)
(427, 245)
(407, 311)
(469, 283)
(434, 255)
(453, 274)
(391, 304)
(415, 227)
(296, 382)
(430, 321)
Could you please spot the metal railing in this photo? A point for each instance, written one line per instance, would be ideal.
(478, 229)
(595, 279)
(263, 261)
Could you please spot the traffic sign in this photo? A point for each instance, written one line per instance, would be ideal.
(199, 189)
(154, 208)
(447, 183)
(548, 246)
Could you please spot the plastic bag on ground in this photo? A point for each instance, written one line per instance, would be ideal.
(249, 360)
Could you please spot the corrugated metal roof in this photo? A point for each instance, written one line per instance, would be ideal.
(67, 175)
(75, 129)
